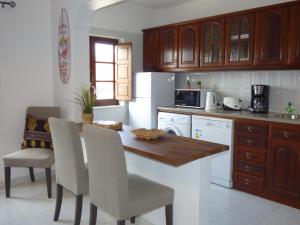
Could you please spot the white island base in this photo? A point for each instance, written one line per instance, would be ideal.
(191, 183)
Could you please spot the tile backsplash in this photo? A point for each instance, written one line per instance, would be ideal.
(284, 85)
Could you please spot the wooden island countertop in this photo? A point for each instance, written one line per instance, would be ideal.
(169, 149)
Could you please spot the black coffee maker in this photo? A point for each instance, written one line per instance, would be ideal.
(260, 98)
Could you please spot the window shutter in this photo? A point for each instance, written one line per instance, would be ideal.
(123, 73)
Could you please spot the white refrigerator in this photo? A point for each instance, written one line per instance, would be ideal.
(150, 90)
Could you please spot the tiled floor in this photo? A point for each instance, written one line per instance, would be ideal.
(29, 206)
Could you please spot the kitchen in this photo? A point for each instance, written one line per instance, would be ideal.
(283, 83)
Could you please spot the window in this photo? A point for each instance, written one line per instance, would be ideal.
(110, 64)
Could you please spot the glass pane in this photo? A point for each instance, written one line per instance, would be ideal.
(244, 50)
(104, 71)
(245, 28)
(207, 34)
(207, 54)
(234, 51)
(215, 53)
(104, 52)
(217, 32)
(234, 29)
(105, 90)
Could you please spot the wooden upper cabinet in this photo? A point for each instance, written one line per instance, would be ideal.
(212, 43)
(189, 46)
(239, 41)
(271, 37)
(151, 50)
(168, 42)
(284, 169)
(294, 36)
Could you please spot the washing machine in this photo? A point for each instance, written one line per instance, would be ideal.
(176, 124)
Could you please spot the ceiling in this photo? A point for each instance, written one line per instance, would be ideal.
(158, 4)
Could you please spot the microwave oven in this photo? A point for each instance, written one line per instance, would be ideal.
(193, 98)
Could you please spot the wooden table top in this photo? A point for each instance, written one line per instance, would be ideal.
(169, 149)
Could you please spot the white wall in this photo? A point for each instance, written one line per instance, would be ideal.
(124, 17)
(25, 69)
(284, 85)
(204, 8)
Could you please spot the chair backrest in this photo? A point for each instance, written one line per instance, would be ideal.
(69, 161)
(108, 181)
(43, 112)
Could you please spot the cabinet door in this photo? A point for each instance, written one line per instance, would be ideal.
(212, 43)
(151, 53)
(284, 168)
(294, 36)
(168, 47)
(240, 41)
(189, 46)
(271, 37)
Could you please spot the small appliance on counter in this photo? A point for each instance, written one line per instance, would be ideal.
(212, 100)
(193, 98)
(259, 98)
(232, 103)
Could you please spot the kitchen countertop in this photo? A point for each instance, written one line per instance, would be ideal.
(169, 149)
(270, 117)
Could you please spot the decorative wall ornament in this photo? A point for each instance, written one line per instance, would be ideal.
(64, 47)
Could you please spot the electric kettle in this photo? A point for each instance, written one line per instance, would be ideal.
(211, 100)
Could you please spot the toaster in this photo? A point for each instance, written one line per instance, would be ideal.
(232, 103)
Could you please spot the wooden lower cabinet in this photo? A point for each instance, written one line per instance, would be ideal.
(271, 170)
(284, 168)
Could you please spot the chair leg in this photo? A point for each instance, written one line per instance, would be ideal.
(31, 172)
(132, 219)
(169, 214)
(59, 195)
(78, 209)
(48, 180)
(121, 222)
(7, 181)
(93, 214)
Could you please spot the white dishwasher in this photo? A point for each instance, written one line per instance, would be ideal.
(219, 131)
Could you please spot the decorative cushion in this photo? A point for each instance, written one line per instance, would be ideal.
(36, 133)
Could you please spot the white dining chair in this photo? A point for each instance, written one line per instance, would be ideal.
(122, 195)
(71, 172)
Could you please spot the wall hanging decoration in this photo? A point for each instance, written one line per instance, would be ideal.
(64, 47)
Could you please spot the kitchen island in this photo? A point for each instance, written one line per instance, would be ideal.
(180, 163)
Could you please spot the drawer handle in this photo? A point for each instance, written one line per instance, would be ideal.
(248, 168)
(249, 141)
(246, 181)
(250, 155)
(250, 129)
(287, 134)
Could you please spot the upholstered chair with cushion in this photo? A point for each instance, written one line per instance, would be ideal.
(36, 152)
(71, 172)
(112, 189)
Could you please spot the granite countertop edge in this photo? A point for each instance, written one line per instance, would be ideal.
(230, 114)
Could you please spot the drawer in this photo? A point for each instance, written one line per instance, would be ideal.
(252, 128)
(285, 132)
(248, 183)
(251, 141)
(251, 155)
(249, 168)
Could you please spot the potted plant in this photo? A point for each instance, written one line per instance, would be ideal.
(86, 99)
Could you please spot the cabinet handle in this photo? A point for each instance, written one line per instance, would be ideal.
(249, 155)
(249, 141)
(246, 181)
(248, 168)
(250, 129)
(287, 134)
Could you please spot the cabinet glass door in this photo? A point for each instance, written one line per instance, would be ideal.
(239, 41)
(212, 43)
